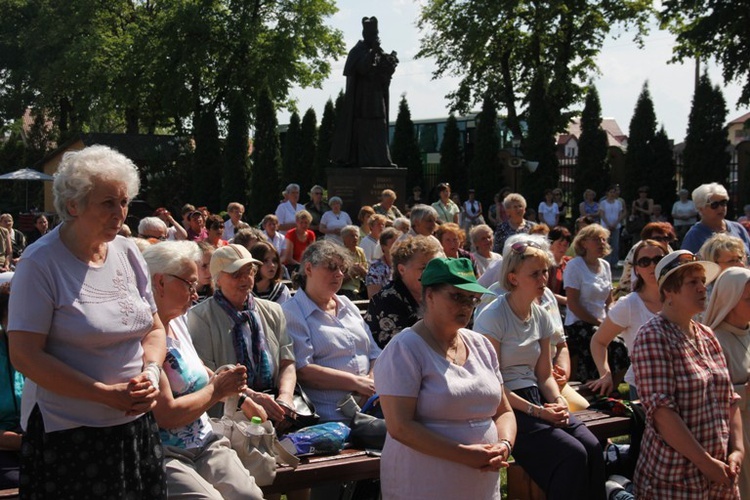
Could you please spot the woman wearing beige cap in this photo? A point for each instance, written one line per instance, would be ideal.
(235, 327)
(692, 444)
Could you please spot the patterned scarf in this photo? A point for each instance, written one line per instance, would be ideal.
(257, 361)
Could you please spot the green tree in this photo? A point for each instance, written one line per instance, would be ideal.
(592, 170)
(207, 163)
(712, 30)
(496, 47)
(539, 145)
(640, 156)
(264, 179)
(292, 149)
(705, 158)
(404, 146)
(452, 167)
(662, 182)
(325, 139)
(234, 178)
(309, 142)
(486, 170)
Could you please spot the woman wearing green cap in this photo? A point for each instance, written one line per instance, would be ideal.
(449, 426)
(553, 447)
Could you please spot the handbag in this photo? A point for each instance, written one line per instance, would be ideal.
(304, 409)
(259, 453)
(367, 431)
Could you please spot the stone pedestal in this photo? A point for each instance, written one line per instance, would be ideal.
(362, 186)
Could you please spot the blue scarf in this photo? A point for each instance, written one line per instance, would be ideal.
(259, 374)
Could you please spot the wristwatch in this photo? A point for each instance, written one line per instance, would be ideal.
(241, 401)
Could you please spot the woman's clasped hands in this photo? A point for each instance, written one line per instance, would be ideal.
(486, 457)
(555, 413)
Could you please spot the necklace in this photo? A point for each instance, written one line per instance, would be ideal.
(453, 346)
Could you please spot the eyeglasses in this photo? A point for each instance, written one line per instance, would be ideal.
(719, 203)
(647, 261)
(249, 272)
(464, 300)
(737, 261)
(333, 267)
(520, 247)
(685, 258)
(192, 287)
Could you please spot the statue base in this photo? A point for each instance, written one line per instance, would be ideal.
(358, 187)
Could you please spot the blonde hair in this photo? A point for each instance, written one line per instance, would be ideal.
(721, 242)
(512, 260)
(590, 231)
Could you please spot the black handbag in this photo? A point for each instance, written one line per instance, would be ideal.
(367, 431)
(304, 410)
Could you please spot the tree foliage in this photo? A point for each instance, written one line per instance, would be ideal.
(539, 145)
(486, 170)
(592, 171)
(325, 140)
(705, 158)
(234, 177)
(404, 147)
(712, 30)
(136, 66)
(309, 142)
(264, 179)
(207, 163)
(498, 47)
(292, 149)
(662, 182)
(640, 157)
(452, 167)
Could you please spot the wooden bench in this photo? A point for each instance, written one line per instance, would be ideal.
(349, 465)
(353, 465)
(601, 425)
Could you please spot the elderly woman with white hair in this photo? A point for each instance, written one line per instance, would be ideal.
(334, 220)
(515, 207)
(481, 242)
(287, 210)
(153, 229)
(354, 283)
(728, 315)
(423, 220)
(711, 201)
(234, 327)
(725, 250)
(198, 463)
(554, 448)
(84, 331)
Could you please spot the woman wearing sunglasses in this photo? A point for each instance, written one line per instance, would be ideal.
(711, 201)
(450, 427)
(692, 446)
(552, 446)
(628, 315)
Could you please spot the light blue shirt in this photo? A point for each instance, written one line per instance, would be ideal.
(343, 342)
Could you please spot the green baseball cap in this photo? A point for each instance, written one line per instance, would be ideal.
(456, 272)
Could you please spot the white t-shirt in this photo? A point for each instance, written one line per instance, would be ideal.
(286, 213)
(631, 313)
(483, 263)
(684, 209)
(610, 212)
(333, 221)
(278, 241)
(371, 247)
(94, 319)
(594, 289)
(548, 214)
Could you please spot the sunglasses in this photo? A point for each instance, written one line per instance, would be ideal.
(464, 300)
(716, 204)
(685, 258)
(647, 261)
(520, 247)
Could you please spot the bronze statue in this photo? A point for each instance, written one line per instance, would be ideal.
(361, 137)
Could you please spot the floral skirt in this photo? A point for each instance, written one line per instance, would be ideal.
(122, 462)
(579, 343)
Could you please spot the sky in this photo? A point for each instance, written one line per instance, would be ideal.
(623, 70)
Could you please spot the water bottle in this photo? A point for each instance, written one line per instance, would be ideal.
(256, 427)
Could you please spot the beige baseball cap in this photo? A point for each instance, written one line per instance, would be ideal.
(229, 259)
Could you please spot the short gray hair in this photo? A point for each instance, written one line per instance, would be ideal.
(335, 199)
(75, 175)
(702, 193)
(291, 187)
(402, 224)
(419, 212)
(247, 235)
(350, 229)
(170, 257)
(477, 230)
(721, 242)
(319, 253)
(151, 223)
(514, 198)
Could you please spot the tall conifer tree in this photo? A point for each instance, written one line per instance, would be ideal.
(264, 179)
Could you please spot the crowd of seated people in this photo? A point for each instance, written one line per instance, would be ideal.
(111, 341)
